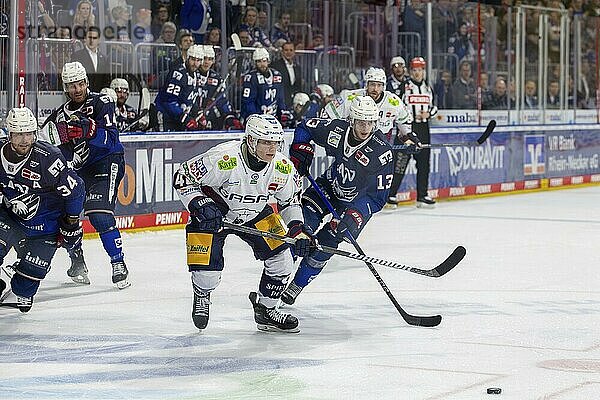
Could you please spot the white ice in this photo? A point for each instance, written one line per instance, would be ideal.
(521, 312)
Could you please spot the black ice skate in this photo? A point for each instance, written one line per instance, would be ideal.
(200, 310)
(78, 271)
(290, 294)
(392, 203)
(425, 202)
(2, 287)
(119, 275)
(24, 303)
(271, 319)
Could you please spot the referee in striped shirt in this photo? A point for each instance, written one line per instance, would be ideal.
(418, 96)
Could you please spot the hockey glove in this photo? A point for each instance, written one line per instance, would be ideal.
(412, 142)
(191, 124)
(305, 239)
(70, 232)
(286, 119)
(352, 220)
(232, 123)
(205, 214)
(78, 127)
(302, 154)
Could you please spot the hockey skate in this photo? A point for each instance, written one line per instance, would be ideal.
(391, 204)
(78, 271)
(271, 319)
(2, 287)
(24, 303)
(289, 295)
(119, 275)
(200, 310)
(425, 202)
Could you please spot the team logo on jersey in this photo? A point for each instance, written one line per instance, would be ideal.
(367, 149)
(34, 164)
(283, 167)
(197, 169)
(213, 81)
(227, 163)
(334, 139)
(394, 102)
(254, 179)
(29, 174)
(362, 159)
(24, 205)
(277, 79)
(386, 157)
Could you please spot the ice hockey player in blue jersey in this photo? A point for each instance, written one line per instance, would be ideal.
(319, 98)
(85, 130)
(220, 114)
(356, 183)
(124, 113)
(42, 199)
(262, 92)
(175, 101)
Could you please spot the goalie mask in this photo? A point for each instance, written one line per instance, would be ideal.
(264, 136)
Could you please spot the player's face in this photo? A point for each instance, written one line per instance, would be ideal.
(77, 91)
(418, 73)
(262, 65)
(266, 149)
(207, 63)
(374, 89)
(22, 142)
(122, 95)
(193, 63)
(398, 70)
(363, 129)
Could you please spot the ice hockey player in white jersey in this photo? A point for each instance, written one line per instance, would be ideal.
(394, 117)
(233, 182)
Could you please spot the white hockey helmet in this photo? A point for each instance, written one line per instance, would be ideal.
(397, 60)
(324, 90)
(300, 99)
(21, 120)
(73, 72)
(110, 92)
(196, 51)
(209, 51)
(260, 54)
(119, 84)
(374, 74)
(263, 127)
(364, 108)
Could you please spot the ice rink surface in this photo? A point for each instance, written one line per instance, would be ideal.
(520, 312)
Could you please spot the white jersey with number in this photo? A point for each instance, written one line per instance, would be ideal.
(246, 192)
(392, 111)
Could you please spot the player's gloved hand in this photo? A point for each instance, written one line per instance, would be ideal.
(286, 119)
(232, 122)
(305, 238)
(412, 143)
(206, 215)
(352, 220)
(70, 232)
(302, 154)
(202, 121)
(191, 124)
(78, 127)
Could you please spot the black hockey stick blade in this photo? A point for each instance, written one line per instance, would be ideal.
(488, 131)
(452, 261)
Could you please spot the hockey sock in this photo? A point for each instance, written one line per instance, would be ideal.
(305, 274)
(105, 225)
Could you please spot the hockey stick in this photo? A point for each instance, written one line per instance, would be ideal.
(410, 319)
(486, 134)
(436, 272)
(137, 120)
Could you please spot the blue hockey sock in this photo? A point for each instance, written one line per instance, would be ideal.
(305, 274)
(112, 243)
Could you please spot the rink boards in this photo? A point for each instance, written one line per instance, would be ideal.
(514, 159)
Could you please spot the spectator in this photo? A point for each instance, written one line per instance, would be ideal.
(159, 17)
(290, 71)
(250, 24)
(263, 21)
(553, 100)
(164, 56)
(281, 30)
(484, 84)
(213, 38)
(83, 19)
(463, 92)
(498, 100)
(246, 38)
(121, 24)
(398, 77)
(184, 41)
(442, 90)
(195, 16)
(94, 62)
(460, 44)
(530, 101)
(318, 42)
(142, 30)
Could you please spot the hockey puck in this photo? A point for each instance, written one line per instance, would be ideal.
(494, 390)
